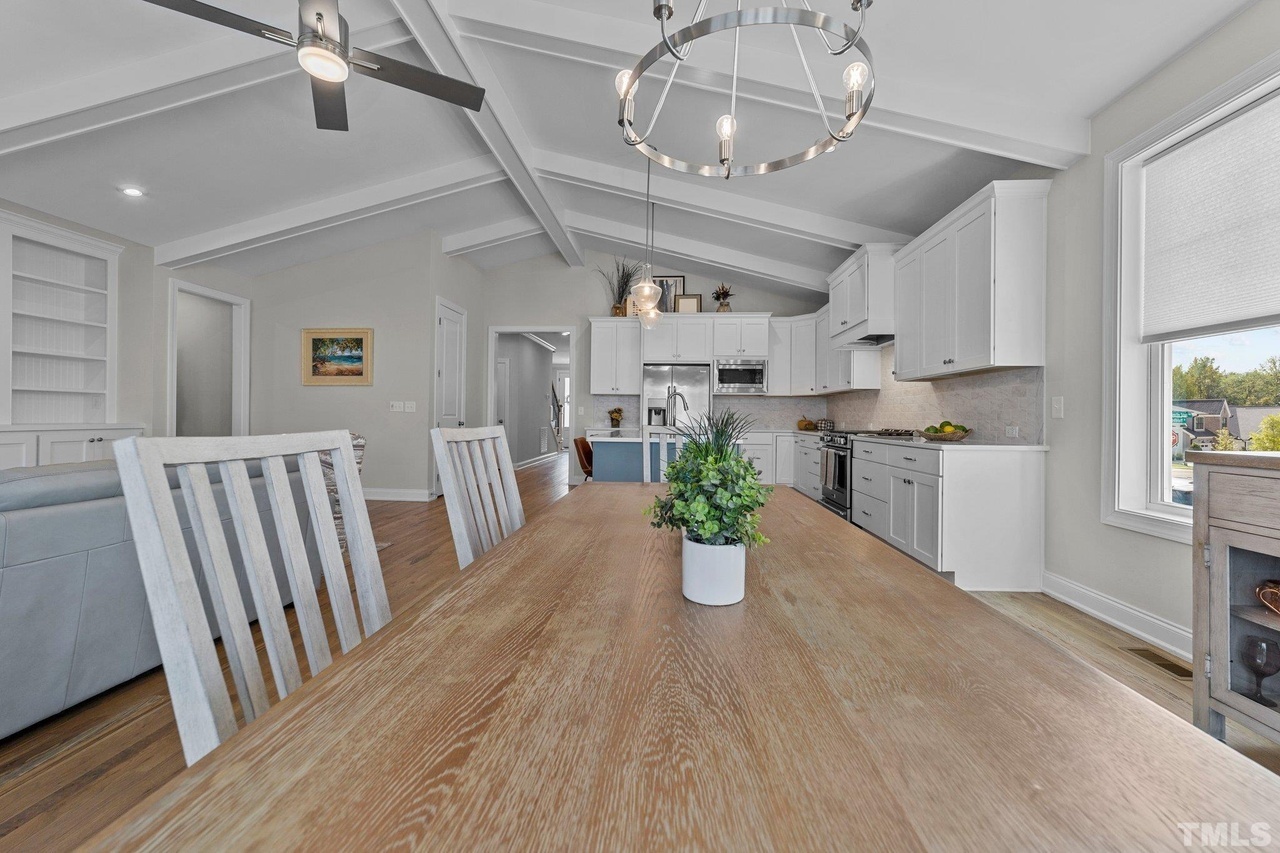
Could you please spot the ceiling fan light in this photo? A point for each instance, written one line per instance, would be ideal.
(322, 61)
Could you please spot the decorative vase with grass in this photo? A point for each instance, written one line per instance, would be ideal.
(722, 295)
(713, 494)
(618, 283)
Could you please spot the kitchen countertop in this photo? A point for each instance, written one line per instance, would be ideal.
(950, 446)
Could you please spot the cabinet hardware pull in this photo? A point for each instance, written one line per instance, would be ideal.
(868, 479)
(867, 514)
(868, 451)
(909, 458)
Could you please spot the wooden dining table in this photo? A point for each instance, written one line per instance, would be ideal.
(562, 694)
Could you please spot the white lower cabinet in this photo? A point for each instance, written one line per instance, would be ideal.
(64, 446)
(975, 512)
(784, 460)
(18, 449)
(808, 467)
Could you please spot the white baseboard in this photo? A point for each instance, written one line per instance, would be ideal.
(537, 460)
(1158, 631)
(412, 495)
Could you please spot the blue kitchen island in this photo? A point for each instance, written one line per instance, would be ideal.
(617, 460)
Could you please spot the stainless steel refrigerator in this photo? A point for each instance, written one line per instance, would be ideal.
(676, 394)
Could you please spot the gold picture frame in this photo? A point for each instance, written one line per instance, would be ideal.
(337, 356)
(689, 303)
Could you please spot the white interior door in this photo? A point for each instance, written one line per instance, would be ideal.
(502, 395)
(566, 408)
(451, 369)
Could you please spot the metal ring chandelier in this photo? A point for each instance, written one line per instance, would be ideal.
(859, 80)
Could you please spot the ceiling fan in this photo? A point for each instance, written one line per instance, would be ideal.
(325, 52)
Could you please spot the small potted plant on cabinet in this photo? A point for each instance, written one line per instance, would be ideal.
(722, 295)
(618, 283)
(713, 494)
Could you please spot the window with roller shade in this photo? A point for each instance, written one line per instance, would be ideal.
(1192, 262)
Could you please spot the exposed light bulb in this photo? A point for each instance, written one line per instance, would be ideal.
(649, 318)
(855, 77)
(726, 127)
(322, 63)
(620, 82)
(645, 292)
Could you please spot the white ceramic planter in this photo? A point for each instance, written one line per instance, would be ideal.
(714, 574)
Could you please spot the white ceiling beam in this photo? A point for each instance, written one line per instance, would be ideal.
(158, 83)
(678, 250)
(704, 199)
(613, 43)
(498, 123)
(348, 207)
(488, 236)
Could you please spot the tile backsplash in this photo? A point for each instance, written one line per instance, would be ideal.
(772, 413)
(987, 403)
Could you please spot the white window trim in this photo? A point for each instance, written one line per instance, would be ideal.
(1133, 372)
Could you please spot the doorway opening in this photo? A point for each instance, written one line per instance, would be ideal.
(208, 361)
(530, 389)
(451, 373)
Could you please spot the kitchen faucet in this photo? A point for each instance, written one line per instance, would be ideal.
(672, 393)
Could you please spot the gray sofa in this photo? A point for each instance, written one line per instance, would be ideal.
(74, 619)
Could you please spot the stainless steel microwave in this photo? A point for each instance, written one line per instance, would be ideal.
(741, 376)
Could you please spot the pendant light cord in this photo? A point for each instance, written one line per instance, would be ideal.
(648, 215)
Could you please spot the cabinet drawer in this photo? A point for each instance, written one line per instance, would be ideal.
(810, 441)
(871, 479)
(870, 451)
(808, 457)
(871, 515)
(915, 458)
(1245, 499)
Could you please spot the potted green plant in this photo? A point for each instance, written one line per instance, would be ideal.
(618, 283)
(713, 497)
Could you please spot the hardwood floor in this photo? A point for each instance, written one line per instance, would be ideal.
(64, 779)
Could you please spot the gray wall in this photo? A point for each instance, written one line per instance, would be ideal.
(204, 365)
(530, 411)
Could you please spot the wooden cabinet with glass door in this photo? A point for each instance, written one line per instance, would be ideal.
(1236, 591)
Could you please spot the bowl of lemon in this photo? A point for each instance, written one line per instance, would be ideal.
(945, 431)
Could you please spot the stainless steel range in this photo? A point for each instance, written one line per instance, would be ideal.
(836, 450)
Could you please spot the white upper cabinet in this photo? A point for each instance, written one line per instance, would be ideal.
(615, 356)
(677, 338)
(861, 302)
(779, 375)
(804, 352)
(742, 336)
(970, 292)
(822, 353)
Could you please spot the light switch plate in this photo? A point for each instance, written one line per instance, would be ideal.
(410, 406)
(581, 410)
(397, 406)
(1011, 432)
(1059, 410)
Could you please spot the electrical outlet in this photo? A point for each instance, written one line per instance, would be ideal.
(1011, 432)
(1059, 410)
(581, 411)
(397, 406)
(410, 406)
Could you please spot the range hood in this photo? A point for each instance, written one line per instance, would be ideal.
(863, 287)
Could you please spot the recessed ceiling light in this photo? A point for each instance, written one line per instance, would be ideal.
(133, 192)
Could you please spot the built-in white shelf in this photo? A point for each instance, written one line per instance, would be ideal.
(77, 356)
(36, 316)
(58, 291)
(65, 285)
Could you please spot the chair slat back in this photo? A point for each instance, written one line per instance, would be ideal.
(664, 437)
(480, 492)
(202, 703)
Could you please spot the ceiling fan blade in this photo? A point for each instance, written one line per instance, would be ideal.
(330, 100)
(418, 79)
(215, 15)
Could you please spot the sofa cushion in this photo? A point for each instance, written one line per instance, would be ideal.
(49, 485)
(72, 482)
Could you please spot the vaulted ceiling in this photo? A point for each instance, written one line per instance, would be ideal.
(217, 127)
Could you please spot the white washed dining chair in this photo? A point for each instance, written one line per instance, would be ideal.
(664, 437)
(480, 492)
(201, 701)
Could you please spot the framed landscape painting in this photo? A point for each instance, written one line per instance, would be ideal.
(337, 356)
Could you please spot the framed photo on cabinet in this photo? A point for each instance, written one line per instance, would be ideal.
(672, 286)
(689, 303)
